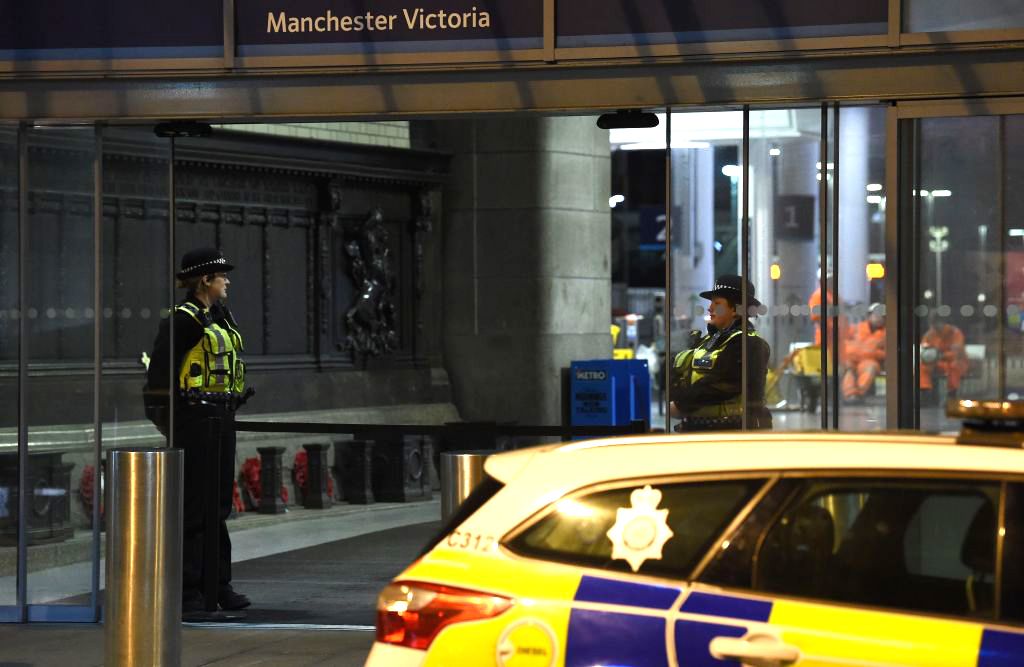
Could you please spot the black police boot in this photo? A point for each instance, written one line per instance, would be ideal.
(193, 605)
(231, 600)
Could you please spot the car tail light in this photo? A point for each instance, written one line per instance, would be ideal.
(412, 614)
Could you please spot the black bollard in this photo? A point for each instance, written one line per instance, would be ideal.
(315, 496)
(356, 469)
(271, 476)
(400, 470)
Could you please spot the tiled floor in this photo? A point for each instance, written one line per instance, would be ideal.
(83, 646)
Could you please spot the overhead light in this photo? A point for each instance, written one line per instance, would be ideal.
(874, 199)
(660, 145)
(627, 118)
(776, 271)
(818, 176)
(874, 187)
(644, 146)
(615, 200)
(925, 193)
(732, 170)
(830, 166)
(1017, 232)
(775, 152)
(875, 271)
(941, 193)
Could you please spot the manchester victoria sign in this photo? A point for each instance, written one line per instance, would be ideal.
(324, 27)
(415, 19)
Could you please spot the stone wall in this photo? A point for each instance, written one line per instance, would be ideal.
(527, 245)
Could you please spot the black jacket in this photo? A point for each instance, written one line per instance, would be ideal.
(722, 383)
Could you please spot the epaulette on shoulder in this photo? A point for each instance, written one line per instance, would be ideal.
(192, 310)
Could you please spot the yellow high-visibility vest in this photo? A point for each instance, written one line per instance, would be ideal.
(214, 364)
(692, 365)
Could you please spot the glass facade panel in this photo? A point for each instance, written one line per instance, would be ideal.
(785, 158)
(861, 273)
(134, 291)
(1012, 180)
(954, 15)
(9, 336)
(135, 281)
(965, 339)
(706, 208)
(785, 176)
(60, 316)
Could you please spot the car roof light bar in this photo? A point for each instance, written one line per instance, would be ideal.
(991, 423)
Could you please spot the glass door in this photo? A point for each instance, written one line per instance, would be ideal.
(9, 376)
(81, 290)
(59, 167)
(761, 193)
(962, 168)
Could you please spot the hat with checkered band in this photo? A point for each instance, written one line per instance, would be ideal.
(201, 262)
(731, 287)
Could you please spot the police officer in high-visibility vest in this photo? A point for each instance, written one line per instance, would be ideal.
(706, 390)
(210, 383)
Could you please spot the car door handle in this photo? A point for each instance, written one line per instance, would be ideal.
(755, 650)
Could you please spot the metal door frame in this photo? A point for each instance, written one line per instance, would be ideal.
(902, 244)
(828, 203)
(23, 611)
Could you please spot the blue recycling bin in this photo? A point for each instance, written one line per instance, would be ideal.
(609, 392)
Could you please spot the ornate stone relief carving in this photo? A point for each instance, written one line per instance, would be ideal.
(370, 321)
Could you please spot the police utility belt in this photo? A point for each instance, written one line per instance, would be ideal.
(218, 399)
(724, 423)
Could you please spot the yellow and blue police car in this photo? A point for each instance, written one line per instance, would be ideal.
(726, 549)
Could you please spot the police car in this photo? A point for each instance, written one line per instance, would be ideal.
(731, 548)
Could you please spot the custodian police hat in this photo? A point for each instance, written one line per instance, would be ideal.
(201, 262)
(731, 288)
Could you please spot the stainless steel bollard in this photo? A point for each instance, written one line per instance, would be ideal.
(461, 472)
(142, 614)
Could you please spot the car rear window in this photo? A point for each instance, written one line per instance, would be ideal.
(577, 530)
(483, 492)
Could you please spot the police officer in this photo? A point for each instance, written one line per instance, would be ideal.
(210, 379)
(706, 390)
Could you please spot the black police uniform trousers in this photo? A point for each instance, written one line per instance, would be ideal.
(196, 428)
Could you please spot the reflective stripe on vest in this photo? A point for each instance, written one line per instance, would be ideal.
(214, 364)
(694, 364)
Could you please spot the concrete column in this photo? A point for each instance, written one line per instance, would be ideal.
(854, 217)
(798, 258)
(693, 234)
(527, 244)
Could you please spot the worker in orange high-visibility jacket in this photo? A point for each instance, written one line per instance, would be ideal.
(942, 353)
(817, 312)
(814, 303)
(865, 354)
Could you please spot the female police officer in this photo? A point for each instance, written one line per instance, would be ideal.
(209, 378)
(706, 389)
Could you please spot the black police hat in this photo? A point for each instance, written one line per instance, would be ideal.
(201, 262)
(731, 288)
